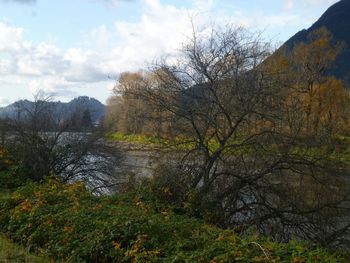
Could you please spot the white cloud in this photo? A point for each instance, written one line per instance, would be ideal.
(125, 46)
(43, 59)
(51, 85)
(160, 31)
(25, 66)
(11, 38)
(291, 4)
(5, 66)
(261, 21)
(4, 101)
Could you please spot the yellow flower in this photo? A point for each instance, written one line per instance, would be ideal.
(2, 152)
(167, 191)
(8, 162)
(116, 245)
(298, 260)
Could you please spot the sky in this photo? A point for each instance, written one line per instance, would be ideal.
(70, 48)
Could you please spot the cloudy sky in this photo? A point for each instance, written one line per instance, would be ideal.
(77, 47)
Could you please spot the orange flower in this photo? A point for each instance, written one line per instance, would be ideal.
(67, 229)
(25, 206)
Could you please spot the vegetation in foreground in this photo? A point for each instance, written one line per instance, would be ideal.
(10, 252)
(68, 223)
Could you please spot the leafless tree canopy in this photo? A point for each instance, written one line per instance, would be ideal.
(260, 146)
(43, 144)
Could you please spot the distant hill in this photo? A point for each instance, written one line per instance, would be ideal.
(337, 21)
(65, 110)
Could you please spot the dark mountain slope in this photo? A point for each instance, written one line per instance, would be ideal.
(337, 21)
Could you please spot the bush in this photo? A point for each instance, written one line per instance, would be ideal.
(169, 190)
(10, 179)
(9, 176)
(70, 224)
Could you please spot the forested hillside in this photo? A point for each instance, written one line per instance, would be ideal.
(337, 21)
(83, 110)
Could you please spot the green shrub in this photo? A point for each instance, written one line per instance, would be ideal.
(70, 224)
(169, 191)
(10, 177)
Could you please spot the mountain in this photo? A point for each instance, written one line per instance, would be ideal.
(66, 110)
(83, 103)
(337, 21)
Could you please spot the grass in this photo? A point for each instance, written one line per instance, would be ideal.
(4, 194)
(186, 144)
(11, 253)
(176, 143)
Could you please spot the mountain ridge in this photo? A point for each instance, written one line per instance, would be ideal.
(336, 19)
(67, 109)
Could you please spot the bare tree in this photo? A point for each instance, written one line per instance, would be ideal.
(247, 147)
(43, 145)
